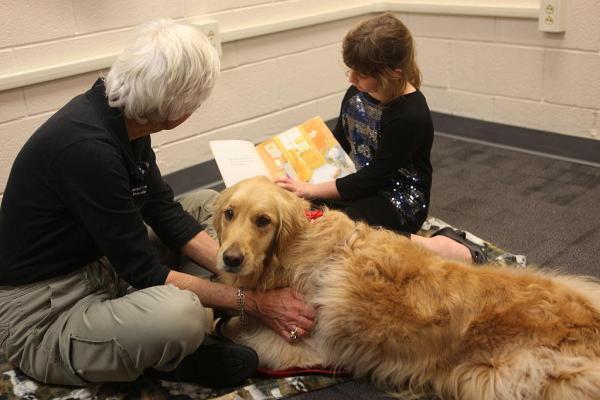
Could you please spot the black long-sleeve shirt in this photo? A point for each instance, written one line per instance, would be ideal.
(78, 190)
(391, 148)
(401, 136)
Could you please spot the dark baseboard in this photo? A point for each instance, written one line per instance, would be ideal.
(552, 144)
(207, 174)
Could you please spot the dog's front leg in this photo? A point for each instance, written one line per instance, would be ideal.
(273, 351)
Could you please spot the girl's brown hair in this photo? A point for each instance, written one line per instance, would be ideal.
(378, 46)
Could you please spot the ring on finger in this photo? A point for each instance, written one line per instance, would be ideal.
(294, 334)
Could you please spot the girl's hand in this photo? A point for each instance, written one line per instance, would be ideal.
(284, 311)
(299, 188)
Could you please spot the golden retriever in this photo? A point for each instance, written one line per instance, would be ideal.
(408, 319)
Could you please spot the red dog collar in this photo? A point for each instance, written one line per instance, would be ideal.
(313, 214)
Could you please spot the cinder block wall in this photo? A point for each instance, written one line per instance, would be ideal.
(491, 68)
(505, 70)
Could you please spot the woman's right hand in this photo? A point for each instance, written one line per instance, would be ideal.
(282, 310)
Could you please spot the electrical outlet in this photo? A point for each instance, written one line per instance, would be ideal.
(553, 15)
(210, 28)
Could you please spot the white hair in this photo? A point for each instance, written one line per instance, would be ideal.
(166, 74)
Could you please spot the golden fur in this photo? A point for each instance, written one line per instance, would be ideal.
(393, 311)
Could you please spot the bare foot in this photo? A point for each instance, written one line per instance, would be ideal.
(444, 247)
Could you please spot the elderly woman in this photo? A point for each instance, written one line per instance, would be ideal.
(73, 229)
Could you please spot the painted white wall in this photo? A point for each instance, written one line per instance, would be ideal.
(498, 69)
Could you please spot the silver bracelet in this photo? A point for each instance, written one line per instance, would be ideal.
(241, 302)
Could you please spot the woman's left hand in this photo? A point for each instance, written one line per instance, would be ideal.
(284, 311)
(299, 188)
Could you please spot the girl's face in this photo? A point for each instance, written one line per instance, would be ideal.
(364, 83)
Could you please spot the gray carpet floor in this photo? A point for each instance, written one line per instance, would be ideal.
(545, 208)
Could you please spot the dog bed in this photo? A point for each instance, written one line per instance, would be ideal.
(267, 384)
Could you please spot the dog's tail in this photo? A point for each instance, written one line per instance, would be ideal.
(540, 374)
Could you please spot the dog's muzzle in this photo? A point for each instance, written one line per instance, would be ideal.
(233, 259)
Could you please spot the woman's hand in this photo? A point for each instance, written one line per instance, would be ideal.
(299, 188)
(282, 310)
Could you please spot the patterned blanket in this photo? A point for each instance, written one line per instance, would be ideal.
(15, 385)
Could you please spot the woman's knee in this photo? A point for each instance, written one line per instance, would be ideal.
(159, 327)
(180, 315)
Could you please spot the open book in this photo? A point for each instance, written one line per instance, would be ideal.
(307, 152)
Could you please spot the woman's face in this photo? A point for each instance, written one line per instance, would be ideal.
(364, 83)
(168, 125)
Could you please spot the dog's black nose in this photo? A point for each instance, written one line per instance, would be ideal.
(233, 258)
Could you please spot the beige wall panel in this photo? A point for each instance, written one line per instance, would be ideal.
(72, 49)
(192, 151)
(229, 58)
(329, 107)
(455, 27)
(50, 96)
(309, 75)
(197, 7)
(241, 93)
(552, 118)
(438, 99)
(7, 62)
(293, 41)
(94, 16)
(583, 29)
(260, 14)
(26, 21)
(12, 137)
(277, 11)
(464, 104)
(12, 105)
(496, 69)
(472, 105)
(269, 46)
(433, 58)
(572, 78)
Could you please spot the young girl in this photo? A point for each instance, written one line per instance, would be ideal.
(385, 125)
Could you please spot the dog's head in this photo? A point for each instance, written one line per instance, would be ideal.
(254, 220)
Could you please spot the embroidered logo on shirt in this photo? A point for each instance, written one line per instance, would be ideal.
(139, 190)
(142, 188)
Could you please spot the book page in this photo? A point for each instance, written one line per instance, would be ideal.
(237, 160)
(307, 152)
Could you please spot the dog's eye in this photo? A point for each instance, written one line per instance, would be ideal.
(262, 221)
(228, 214)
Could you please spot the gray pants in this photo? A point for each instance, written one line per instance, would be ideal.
(82, 327)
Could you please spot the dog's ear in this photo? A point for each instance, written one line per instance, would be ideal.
(219, 204)
(291, 218)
